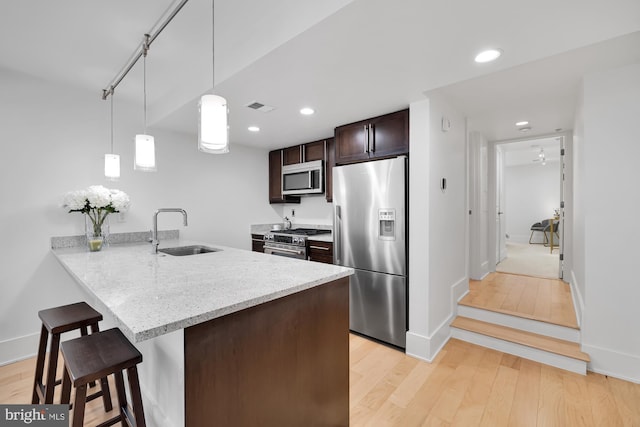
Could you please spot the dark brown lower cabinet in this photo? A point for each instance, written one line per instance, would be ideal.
(281, 363)
(321, 251)
(257, 243)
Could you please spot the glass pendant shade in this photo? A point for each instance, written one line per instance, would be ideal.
(145, 157)
(112, 166)
(213, 132)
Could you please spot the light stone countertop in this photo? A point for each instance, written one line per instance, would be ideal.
(151, 295)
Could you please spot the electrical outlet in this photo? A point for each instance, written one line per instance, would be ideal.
(121, 217)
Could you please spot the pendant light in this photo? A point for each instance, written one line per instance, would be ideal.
(213, 130)
(112, 161)
(145, 154)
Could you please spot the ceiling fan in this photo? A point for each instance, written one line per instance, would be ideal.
(541, 158)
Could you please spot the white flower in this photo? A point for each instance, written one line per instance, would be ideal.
(98, 196)
(97, 200)
(119, 200)
(75, 200)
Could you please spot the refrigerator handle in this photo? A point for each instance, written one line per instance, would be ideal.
(337, 237)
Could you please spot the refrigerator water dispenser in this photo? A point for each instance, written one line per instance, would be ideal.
(387, 224)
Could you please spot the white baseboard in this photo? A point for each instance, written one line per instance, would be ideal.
(576, 296)
(427, 348)
(20, 348)
(614, 364)
(458, 291)
(552, 359)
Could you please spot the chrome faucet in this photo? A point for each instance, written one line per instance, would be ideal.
(154, 233)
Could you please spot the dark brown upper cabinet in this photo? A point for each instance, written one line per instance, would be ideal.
(275, 179)
(375, 138)
(329, 163)
(314, 151)
(292, 155)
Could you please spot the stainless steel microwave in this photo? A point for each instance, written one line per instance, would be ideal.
(303, 178)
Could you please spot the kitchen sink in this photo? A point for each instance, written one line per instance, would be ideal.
(188, 250)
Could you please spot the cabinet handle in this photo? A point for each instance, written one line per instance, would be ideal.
(322, 248)
(366, 139)
(372, 135)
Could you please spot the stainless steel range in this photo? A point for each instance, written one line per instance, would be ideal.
(290, 243)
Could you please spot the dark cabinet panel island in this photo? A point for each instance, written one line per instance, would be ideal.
(230, 337)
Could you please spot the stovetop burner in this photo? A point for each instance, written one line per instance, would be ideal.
(303, 231)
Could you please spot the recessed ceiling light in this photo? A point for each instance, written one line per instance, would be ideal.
(488, 55)
(254, 129)
(307, 111)
(522, 123)
(526, 129)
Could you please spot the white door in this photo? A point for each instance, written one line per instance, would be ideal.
(501, 240)
(561, 211)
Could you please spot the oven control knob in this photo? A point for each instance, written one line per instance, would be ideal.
(295, 240)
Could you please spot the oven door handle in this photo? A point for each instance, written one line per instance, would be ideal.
(291, 251)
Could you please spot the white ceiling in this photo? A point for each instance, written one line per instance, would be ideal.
(347, 59)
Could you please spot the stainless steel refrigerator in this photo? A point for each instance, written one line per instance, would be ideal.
(370, 212)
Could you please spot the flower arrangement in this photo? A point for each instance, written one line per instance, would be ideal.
(97, 202)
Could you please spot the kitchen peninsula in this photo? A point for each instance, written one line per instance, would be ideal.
(230, 337)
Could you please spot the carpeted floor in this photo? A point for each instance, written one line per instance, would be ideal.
(530, 260)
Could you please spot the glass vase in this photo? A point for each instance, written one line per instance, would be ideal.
(97, 234)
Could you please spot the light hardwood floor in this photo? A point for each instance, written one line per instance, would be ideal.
(466, 385)
(548, 300)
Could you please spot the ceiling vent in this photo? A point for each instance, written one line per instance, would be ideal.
(260, 107)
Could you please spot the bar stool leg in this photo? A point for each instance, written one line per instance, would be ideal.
(122, 397)
(65, 397)
(78, 405)
(136, 397)
(42, 351)
(50, 386)
(104, 383)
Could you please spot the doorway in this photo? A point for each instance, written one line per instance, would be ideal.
(529, 206)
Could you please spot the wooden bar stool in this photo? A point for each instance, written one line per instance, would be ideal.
(56, 321)
(96, 356)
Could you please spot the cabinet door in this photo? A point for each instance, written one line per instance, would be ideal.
(351, 142)
(257, 243)
(390, 134)
(321, 251)
(292, 155)
(329, 163)
(275, 180)
(314, 151)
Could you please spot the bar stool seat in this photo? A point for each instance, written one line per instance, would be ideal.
(98, 355)
(56, 321)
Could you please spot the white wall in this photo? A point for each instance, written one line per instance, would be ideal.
(53, 141)
(532, 193)
(312, 209)
(438, 224)
(608, 193)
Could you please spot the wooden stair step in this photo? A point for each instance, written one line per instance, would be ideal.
(568, 324)
(529, 339)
